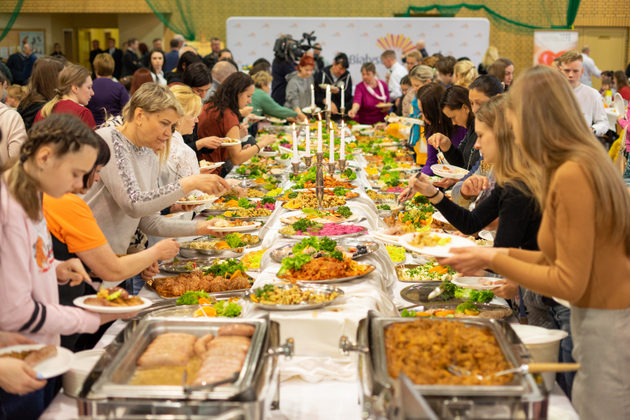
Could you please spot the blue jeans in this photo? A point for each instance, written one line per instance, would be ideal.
(562, 320)
(29, 406)
(134, 284)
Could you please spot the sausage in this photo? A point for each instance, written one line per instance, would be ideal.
(201, 345)
(245, 330)
(38, 356)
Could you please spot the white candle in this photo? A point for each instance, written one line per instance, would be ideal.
(328, 97)
(319, 134)
(312, 98)
(343, 96)
(308, 140)
(296, 157)
(323, 75)
(331, 158)
(342, 147)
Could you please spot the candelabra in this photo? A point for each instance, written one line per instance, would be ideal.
(319, 180)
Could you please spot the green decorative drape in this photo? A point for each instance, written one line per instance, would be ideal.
(177, 15)
(558, 14)
(14, 15)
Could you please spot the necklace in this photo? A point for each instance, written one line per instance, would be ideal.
(380, 96)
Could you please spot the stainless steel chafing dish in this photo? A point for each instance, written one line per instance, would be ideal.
(382, 396)
(107, 392)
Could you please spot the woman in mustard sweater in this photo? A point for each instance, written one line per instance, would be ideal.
(584, 238)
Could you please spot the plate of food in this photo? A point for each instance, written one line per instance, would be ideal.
(309, 200)
(339, 215)
(305, 227)
(431, 271)
(384, 105)
(115, 300)
(434, 244)
(354, 249)
(268, 152)
(228, 142)
(207, 245)
(293, 297)
(478, 283)
(254, 117)
(275, 120)
(311, 110)
(47, 360)
(248, 214)
(252, 260)
(462, 310)
(449, 171)
(196, 199)
(184, 265)
(224, 225)
(204, 164)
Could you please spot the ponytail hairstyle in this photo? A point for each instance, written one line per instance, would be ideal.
(73, 75)
(66, 133)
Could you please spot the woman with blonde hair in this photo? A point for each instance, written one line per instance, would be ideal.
(128, 196)
(72, 94)
(584, 238)
(464, 73)
(418, 76)
(491, 55)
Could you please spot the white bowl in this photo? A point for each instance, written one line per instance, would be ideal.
(83, 364)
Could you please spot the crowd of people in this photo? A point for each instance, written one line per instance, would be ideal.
(93, 158)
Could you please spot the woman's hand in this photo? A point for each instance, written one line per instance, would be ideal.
(206, 228)
(177, 208)
(242, 129)
(209, 184)
(469, 260)
(440, 142)
(301, 116)
(352, 113)
(212, 142)
(266, 140)
(13, 339)
(405, 195)
(246, 111)
(16, 377)
(72, 270)
(507, 289)
(445, 183)
(151, 271)
(422, 183)
(165, 249)
(474, 185)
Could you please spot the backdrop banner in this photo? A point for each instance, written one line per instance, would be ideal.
(362, 39)
(551, 44)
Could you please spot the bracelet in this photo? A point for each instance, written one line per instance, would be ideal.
(258, 147)
(434, 195)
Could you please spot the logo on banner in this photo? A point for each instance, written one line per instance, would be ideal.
(399, 42)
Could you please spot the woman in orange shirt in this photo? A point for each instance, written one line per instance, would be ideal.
(584, 238)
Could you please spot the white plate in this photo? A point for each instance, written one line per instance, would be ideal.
(245, 228)
(300, 213)
(619, 105)
(230, 143)
(487, 235)
(80, 302)
(384, 105)
(210, 165)
(267, 154)
(307, 109)
(477, 283)
(359, 127)
(48, 368)
(436, 251)
(449, 171)
(254, 117)
(275, 120)
(439, 217)
(196, 202)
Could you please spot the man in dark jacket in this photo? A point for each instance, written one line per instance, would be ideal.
(117, 54)
(130, 61)
(338, 76)
(96, 50)
(21, 64)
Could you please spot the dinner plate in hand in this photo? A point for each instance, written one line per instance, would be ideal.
(619, 105)
(439, 250)
(80, 302)
(211, 165)
(449, 171)
(196, 202)
(51, 367)
(244, 228)
(319, 289)
(227, 142)
(254, 117)
(478, 283)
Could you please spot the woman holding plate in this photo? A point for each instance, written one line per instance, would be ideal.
(584, 238)
(368, 95)
(220, 117)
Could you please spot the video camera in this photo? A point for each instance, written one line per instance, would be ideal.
(286, 48)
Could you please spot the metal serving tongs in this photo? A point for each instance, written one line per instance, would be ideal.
(523, 369)
(209, 386)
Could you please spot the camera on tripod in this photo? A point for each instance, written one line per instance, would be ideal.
(287, 48)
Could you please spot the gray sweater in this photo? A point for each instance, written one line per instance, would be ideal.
(128, 197)
(298, 91)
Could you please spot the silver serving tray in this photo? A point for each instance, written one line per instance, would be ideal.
(500, 311)
(346, 235)
(114, 381)
(279, 254)
(519, 385)
(321, 289)
(173, 267)
(338, 280)
(224, 293)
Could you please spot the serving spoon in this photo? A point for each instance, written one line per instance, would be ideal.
(523, 369)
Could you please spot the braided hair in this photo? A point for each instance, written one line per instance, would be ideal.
(66, 133)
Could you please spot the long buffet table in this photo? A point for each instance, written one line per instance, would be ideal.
(319, 382)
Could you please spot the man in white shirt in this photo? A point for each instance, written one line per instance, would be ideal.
(395, 72)
(590, 69)
(588, 98)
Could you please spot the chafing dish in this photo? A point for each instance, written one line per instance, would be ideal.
(107, 390)
(382, 396)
